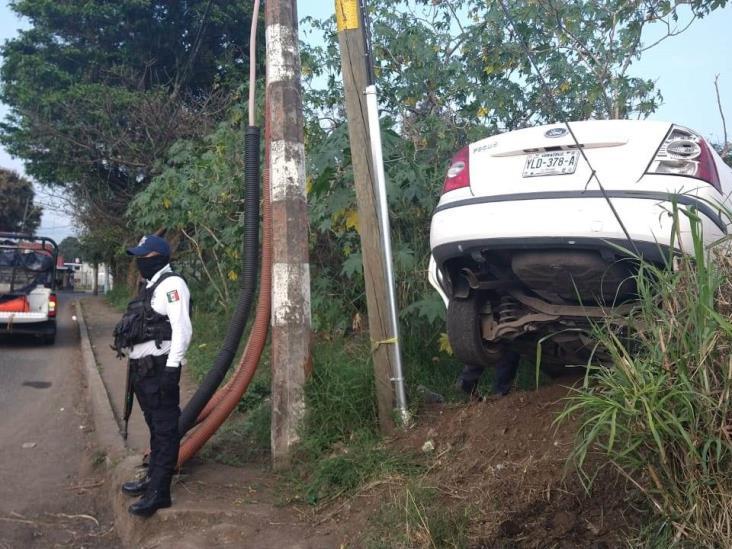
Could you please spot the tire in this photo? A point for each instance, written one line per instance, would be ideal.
(49, 339)
(464, 332)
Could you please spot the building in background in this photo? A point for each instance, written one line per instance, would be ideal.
(84, 275)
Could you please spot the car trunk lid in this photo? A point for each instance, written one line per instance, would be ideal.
(547, 159)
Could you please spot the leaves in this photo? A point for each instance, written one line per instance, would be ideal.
(99, 92)
(201, 190)
(18, 212)
(444, 343)
(353, 265)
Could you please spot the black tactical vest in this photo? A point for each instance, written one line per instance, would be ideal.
(141, 323)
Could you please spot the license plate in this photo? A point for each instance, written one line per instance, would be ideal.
(551, 163)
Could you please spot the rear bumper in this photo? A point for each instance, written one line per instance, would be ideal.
(586, 221)
(47, 327)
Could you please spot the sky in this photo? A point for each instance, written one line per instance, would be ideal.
(683, 67)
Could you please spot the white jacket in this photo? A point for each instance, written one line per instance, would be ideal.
(171, 298)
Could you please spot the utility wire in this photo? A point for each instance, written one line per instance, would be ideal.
(562, 117)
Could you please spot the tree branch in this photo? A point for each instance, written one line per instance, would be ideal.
(726, 145)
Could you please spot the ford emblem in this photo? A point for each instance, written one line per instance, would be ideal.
(555, 132)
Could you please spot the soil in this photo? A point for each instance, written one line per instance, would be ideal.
(505, 463)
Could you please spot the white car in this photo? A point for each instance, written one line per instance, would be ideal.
(525, 240)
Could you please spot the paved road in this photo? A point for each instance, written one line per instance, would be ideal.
(51, 491)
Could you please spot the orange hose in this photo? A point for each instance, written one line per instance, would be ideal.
(225, 400)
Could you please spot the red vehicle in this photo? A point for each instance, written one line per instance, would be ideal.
(28, 285)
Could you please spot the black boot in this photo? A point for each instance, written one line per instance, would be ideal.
(469, 390)
(149, 503)
(468, 382)
(136, 487)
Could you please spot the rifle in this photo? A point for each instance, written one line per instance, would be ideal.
(129, 399)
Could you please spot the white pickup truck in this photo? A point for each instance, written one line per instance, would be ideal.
(27, 286)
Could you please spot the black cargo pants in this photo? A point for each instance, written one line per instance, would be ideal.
(158, 393)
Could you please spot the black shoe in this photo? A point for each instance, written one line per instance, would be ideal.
(469, 390)
(136, 487)
(150, 503)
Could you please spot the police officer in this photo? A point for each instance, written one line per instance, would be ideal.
(156, 349)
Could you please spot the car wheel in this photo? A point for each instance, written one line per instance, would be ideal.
(49, 339)
(464, 330)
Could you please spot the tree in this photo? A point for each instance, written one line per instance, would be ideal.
(99, 91)
(199, 194)
(18, 213)
(71, 248)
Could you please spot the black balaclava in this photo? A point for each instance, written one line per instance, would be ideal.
(148, 266)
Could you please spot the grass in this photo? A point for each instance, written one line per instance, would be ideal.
(99, 457)
(663, 413)
(341, 448)
(119, 296)
(209, 330)
(415, 516)
(243, 438)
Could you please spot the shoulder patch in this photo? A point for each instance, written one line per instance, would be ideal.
(173, 296)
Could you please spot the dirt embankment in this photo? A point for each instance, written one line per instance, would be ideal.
(504, 462)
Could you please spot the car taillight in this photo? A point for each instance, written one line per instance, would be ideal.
(51, 305)
(685, 153)
(458, 174)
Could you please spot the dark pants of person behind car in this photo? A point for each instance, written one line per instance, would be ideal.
(506, 368)
(159, 398)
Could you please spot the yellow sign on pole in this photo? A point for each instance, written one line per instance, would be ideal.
(347, 14)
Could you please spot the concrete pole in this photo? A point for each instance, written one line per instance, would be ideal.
(290, 267)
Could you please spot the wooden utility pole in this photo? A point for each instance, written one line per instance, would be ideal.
(351, 37)
(290, 267)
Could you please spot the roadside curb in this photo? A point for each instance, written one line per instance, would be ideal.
(106, 428)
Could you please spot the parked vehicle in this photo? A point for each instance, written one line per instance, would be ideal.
(526, 245)
(27, 285)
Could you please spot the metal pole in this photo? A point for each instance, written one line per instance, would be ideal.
(377, 161)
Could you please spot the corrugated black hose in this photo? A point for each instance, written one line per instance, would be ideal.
(248, 283)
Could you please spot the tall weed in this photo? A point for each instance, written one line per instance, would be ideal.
(662, 412)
